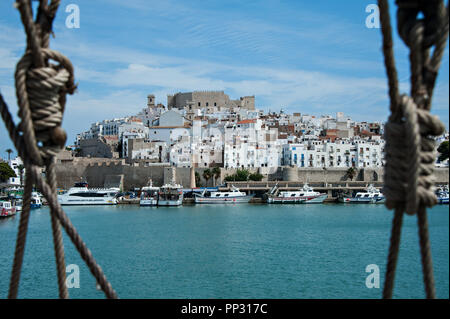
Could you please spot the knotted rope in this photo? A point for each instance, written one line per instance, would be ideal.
(409, 150)
(41, 88)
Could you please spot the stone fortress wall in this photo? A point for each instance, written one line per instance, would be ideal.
(97, 172)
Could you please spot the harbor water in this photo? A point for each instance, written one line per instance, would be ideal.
(237, 251)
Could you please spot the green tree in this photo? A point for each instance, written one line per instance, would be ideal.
(215, 174)
(443, 151)
(351, 173)
(230, 178)
(6, 172)
(242, 175)
(207, 174)
(77, 152)
(9, 151)
(256, 177)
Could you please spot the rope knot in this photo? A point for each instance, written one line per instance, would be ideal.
(41, 94)
(432, 22)
(410, 156)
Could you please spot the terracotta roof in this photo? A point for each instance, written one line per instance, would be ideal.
(247, 121)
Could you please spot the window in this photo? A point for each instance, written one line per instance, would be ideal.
(199, 104)
(207, 104)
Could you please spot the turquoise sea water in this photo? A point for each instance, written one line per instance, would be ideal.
(241, 251)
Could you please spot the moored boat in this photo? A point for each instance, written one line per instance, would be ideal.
(170, 195)
(149, 195)
(442, 194)
(80, 194)
(371, 196)
(36, 201)
(7, 209)
(217, 197)
(306, 195)
(18, 205)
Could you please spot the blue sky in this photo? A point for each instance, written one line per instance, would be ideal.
(315, 57)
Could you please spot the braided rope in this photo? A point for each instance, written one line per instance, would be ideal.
(41, 89)
(57, 235)
(409, 149)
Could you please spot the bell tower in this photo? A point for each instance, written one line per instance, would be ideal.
(151, 101)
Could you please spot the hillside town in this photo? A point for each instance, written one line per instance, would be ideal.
(208, 129)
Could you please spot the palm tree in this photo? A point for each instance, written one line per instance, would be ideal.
(207, 175)
(9, 151)
(215, 174)
(197, 179)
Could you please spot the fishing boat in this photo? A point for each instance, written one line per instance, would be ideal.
(370, 196)
(7, 209)
(442, 194)
(232, 197)
(306, 195)
(36, 201)
(149, 195)
(170, 195)
(81, 194)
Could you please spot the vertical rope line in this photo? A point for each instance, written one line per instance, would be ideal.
(436, 59)
(33, 44)
(57, 235)
(394, 249)
(12, 130)
(425, 252)
(21, 236)
(388, 51)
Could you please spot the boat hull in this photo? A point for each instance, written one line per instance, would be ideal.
(223, 200)
(74, 201)
(148, 202)
(297, 200)
(5, 213)
(353, 200)
(170, 202)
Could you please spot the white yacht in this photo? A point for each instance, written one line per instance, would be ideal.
(233, 197)
(149, 195)
(170, 195)
(370, 196)
(80, 194)
(305, 195)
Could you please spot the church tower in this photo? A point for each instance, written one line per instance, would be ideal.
(151, 101)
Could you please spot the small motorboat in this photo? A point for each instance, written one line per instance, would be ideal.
(370, 196)
(232, 197)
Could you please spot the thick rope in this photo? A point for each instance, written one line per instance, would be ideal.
(41, 88)
(388, 51)
(57, 236)
(410, 154)
(394, 249)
